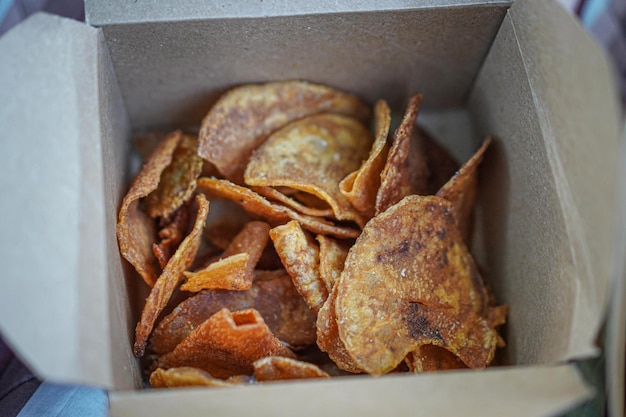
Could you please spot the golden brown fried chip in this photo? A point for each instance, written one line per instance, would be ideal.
(226, 344)
(135, 230)
(461, 190)
(406, 169)
(275, 194)
(360, 187)
(172, 231)
(245, 116)
(300, 256)
(313, 155)
(428, 358)
(332, 258)
(328, 336)
(272, 295)
(186, 376)
(178, 179)
(255, 204)
(277, 368)
(410, 281)
(235, 269)
(170, 278)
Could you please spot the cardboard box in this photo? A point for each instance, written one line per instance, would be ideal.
(525, 73)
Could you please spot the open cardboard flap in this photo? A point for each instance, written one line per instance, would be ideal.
(545, 241)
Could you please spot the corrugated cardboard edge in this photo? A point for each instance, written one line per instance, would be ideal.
(496, 392)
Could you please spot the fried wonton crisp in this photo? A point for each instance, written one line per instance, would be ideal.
(170, 278)
(245, 116)
(313, 155)
(226, 344)
(186, 376)
(276, 368)
(410, 281)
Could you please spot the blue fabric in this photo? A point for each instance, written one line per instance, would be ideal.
(5, 5)
(56, 400)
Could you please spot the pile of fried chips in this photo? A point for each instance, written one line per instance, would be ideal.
(289, 240)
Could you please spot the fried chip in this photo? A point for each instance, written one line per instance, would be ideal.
(135, 230)
(406, 169)
(461, 190)
(332, 258)
(328, 336)
(225, 221)
(300, 256)
(235, 269)
(277, 368)
(245, 116)
(360, 186)
(275, 194)
(272, 295)
(226, 344)
(172, 231)
(178, 179)
(170, 278)
(313, 155)
(410, 281)
(257, 205)
(428, 358)
(186, 376)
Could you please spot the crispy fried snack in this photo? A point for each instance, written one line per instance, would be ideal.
(361, 186)
(300, 256)
(313, 155)
(332, 258)
(245, 116)
(406, 168)
(186, 376)
(235, 269)
(277, 195)
(462, 190)
(272, 213)
(172, 231)
(170, 278)
(135, 230)
(276, 368)
(272, 295)
(178, 179)
(226, 344)
(410, 281)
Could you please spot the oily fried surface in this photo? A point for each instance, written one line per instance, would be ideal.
(276, 368)
(300, 256)
(408, 281)
(272, 295)
(360, 186)
(313, 155)
(332, 256)
(277, 195)
(172, 231)
(178, 179)
(170, 278)
(185, 376)
(245, 116)
(136, 231)
(226, 344)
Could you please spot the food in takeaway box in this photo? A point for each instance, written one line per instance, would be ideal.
(346, 253)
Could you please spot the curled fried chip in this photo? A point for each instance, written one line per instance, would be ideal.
(300, 256)
(178, 179)
(332, 258)
(461, 190)
(275, 194)
(360, 186)
(226, 344)
(277, 368)
(428, 358)
(272, 295)
(135, 230)
(272, 213)
(172, 231)
(313, 155)
(170, 278)
(410, 281)
(406, 169)
(186, 376)
(328, 336)
(245, 116)
(235, 270)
